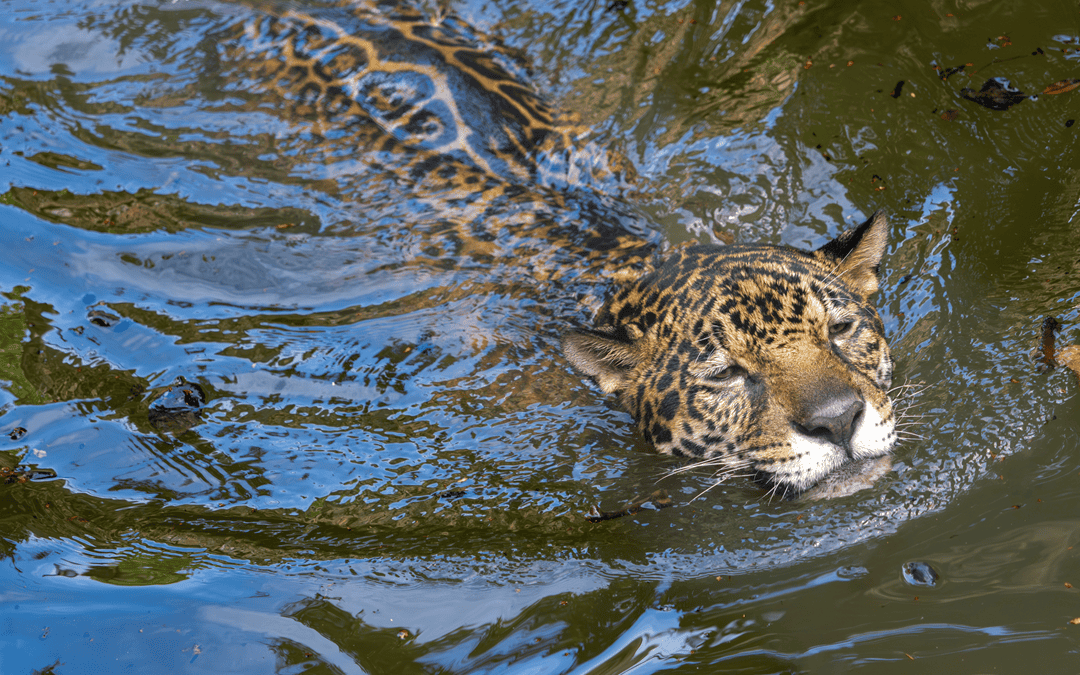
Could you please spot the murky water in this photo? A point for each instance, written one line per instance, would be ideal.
(393, 463)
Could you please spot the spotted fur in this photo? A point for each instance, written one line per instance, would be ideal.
(766, 360)
(447, 114)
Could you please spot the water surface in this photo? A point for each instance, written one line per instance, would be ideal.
(393, 463)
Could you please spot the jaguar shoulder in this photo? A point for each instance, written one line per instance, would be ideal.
(768, 361)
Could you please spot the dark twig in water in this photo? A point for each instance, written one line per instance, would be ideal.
(659, 499)
(1050, 326)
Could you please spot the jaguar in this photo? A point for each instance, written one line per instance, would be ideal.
(759, 360)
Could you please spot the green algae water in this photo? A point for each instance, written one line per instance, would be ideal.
(263, 411)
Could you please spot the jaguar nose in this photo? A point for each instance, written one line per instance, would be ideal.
(834, 421)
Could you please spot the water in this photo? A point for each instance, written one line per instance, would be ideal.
(394, 462)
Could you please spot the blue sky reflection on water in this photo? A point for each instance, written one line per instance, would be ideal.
(391, 440)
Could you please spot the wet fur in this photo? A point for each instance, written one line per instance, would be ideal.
(765, 361)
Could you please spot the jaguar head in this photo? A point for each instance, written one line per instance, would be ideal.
(768, 361)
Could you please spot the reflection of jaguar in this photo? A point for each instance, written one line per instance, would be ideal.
(763, 360)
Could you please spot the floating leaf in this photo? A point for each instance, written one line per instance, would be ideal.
(950, 115)
(995, 94)
(1062, 86)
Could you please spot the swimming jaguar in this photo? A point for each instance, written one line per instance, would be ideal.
(760, 360)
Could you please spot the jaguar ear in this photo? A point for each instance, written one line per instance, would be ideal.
(857, 253)
(600, 355)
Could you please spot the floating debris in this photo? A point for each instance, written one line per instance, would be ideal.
(658, 499)
(179, 407)
(1061, 86)
(100, 317)
(919, 574)
(996, 94)
(946, 73)
(23, 474)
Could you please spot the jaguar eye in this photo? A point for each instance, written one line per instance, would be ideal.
(841, 328)
(724, 374)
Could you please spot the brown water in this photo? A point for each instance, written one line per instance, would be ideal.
(392, 467)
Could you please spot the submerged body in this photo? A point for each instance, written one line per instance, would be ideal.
(765, 360)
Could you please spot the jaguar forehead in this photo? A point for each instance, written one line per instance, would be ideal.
(754, 300)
